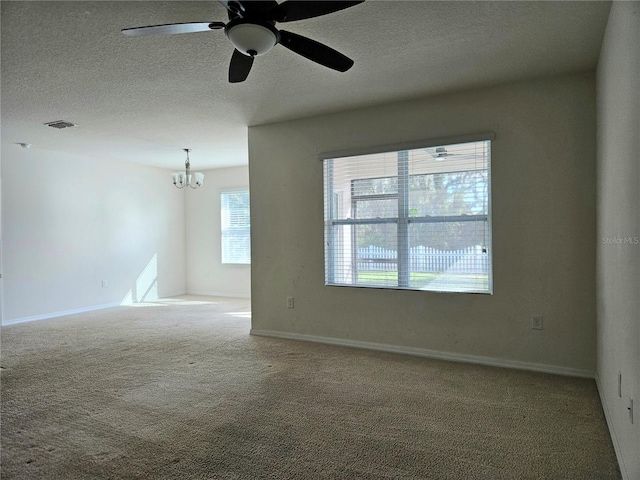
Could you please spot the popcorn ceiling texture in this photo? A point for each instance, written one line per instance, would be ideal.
(144, 99)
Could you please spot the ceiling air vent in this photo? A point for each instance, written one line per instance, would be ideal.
(61, 124)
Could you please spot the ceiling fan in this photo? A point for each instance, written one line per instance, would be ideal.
(440, 153)
(251, 30)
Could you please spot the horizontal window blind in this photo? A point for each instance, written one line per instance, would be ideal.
(414, 219)
(235, 227)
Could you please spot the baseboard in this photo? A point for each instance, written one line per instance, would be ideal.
(612, 431)
(63, 313)
(172, 294)
(151, 300)
(59, 314)
(218, 294)
(423, 352)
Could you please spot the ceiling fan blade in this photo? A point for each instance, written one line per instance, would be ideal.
(173, 28)
(315, 51)
(293, 10)
(239, 67)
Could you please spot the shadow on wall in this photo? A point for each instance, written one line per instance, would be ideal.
(146, 287)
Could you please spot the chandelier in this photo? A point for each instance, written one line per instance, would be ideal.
(186, 179)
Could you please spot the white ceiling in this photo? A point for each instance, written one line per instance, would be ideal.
(143, 99)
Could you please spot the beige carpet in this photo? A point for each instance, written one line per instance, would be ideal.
(179, 390)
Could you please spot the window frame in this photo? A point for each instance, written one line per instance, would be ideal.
(224, 229)
(404, 218)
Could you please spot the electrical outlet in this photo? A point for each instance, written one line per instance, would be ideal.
(536, 322)
(104, 284)
(630, 408)
(289, 302)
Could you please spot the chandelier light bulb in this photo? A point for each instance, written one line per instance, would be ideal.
(186, 179)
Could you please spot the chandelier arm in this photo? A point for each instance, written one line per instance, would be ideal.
(188, 177)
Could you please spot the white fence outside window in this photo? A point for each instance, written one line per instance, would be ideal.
(423, 259)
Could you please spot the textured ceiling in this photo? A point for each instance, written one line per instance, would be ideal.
(143, 99)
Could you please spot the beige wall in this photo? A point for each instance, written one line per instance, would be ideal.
(70, 222)
(618, 240)
(206, 275)
(543, 229)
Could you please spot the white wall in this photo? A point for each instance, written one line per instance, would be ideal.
(206, 275)
(618, 251)
(543, 162)
(69, 222)
(1, 268)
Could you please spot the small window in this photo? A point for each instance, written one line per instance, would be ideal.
(415, 219)
(236, 227)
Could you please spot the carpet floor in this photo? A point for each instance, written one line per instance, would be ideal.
(178, 389)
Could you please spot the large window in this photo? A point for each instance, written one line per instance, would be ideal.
(415, 219)
(236, 226)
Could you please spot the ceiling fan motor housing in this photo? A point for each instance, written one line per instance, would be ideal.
(252, 32)
(252, 38)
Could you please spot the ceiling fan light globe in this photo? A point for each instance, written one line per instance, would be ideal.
(252, 39)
